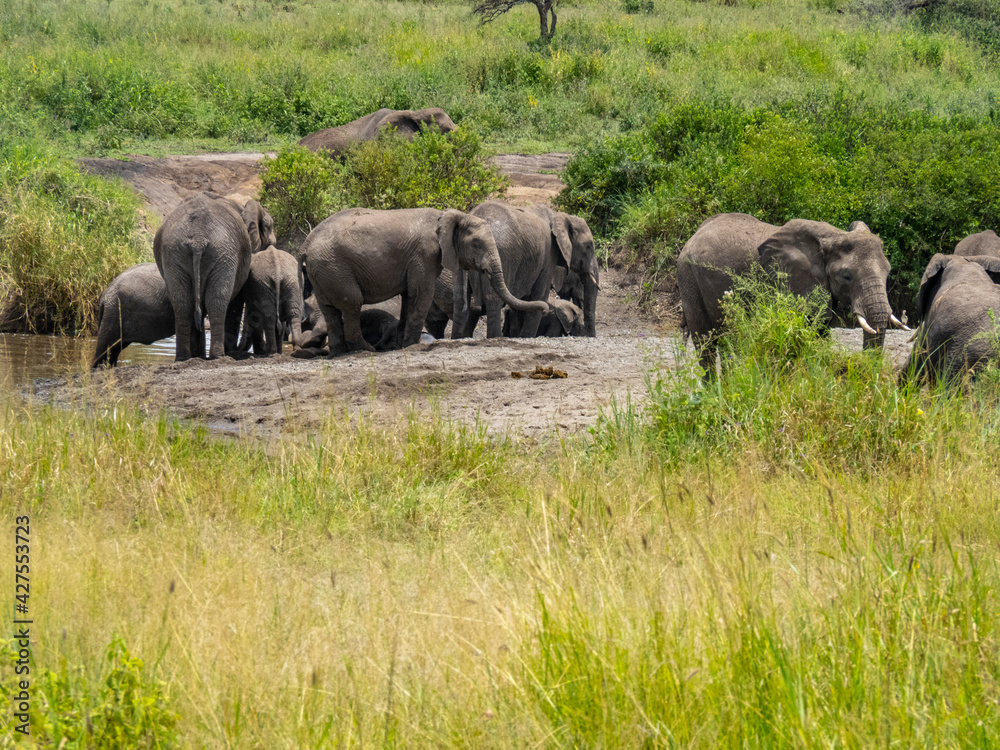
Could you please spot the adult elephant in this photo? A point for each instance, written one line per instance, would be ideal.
(978, 244)
(133, 309)
(363, 256)
(404, 122)
(851, 266)
(272, 299)
(203, 251)
(959, 301)
(537, 246)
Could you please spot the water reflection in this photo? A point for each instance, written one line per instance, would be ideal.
(25, 358)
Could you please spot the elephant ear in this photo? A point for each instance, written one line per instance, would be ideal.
(403, 121)
(253, 218)
(799, 249)
(990, 264)
(560, 225)
(930, 282)
(448, 223)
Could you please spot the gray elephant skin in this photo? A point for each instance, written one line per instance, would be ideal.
(271, 299)
(404, 122)
(134, 309)
(378, 327)
(978, 244)
(850, 265)
(362, 256)
(203, 251)
(960, 303)
(537, 247)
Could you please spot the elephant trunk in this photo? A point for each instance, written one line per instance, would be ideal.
(495, 272)
(872, 305)
(590, 288)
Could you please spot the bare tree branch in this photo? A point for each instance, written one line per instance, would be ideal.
(490, 10)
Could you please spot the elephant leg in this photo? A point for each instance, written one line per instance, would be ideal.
(217, 314)
(436, 322)
(530, 319)
(232, 315)
(419, 296)
(334, 329)
(113, 351)
(184, 326)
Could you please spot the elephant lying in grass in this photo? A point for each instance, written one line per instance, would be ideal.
(134, 309)
(404, 122)
(272, 299)
(959, 300)
(850, 266)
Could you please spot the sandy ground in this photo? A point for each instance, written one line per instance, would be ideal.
(465, 380)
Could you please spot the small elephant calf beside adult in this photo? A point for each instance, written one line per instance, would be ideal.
(849, 265)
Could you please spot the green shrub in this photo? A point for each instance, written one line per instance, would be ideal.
(63, 237)
(789, 395)
(432, 171)
(299, 189)
(123, 707)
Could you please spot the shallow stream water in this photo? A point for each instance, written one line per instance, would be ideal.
(25, 358)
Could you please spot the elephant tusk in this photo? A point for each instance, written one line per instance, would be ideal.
(898, 323)
(913, 337)
(596, 282)
(867, 328)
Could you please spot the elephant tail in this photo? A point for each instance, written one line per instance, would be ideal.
(197, 248)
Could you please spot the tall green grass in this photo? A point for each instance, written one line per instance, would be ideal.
(63, 236)
(802, 554)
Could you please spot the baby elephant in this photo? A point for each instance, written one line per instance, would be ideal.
(133, 309)
(378, 328)
(960, 304)
(563, 319)
(272, 298)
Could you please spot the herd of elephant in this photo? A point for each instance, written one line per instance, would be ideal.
(957, 301)
(215, 257)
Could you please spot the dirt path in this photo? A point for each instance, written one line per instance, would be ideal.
(165, 182)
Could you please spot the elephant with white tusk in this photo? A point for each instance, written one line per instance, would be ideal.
(850, 265)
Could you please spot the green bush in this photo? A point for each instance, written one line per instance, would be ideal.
(789, 395)
(299, 189)
(123, 707)
(433, 170)
(63, 237)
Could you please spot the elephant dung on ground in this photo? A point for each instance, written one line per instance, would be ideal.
(134, 309)
(362, 256)
(272, 299)
(537, 246)
(203, 250)
(959, 300)
(978, 244)
(850, 266)
(404, 122)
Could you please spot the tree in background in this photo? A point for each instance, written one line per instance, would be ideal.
(490, 10)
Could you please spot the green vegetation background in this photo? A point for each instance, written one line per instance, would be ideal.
(814, 108)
